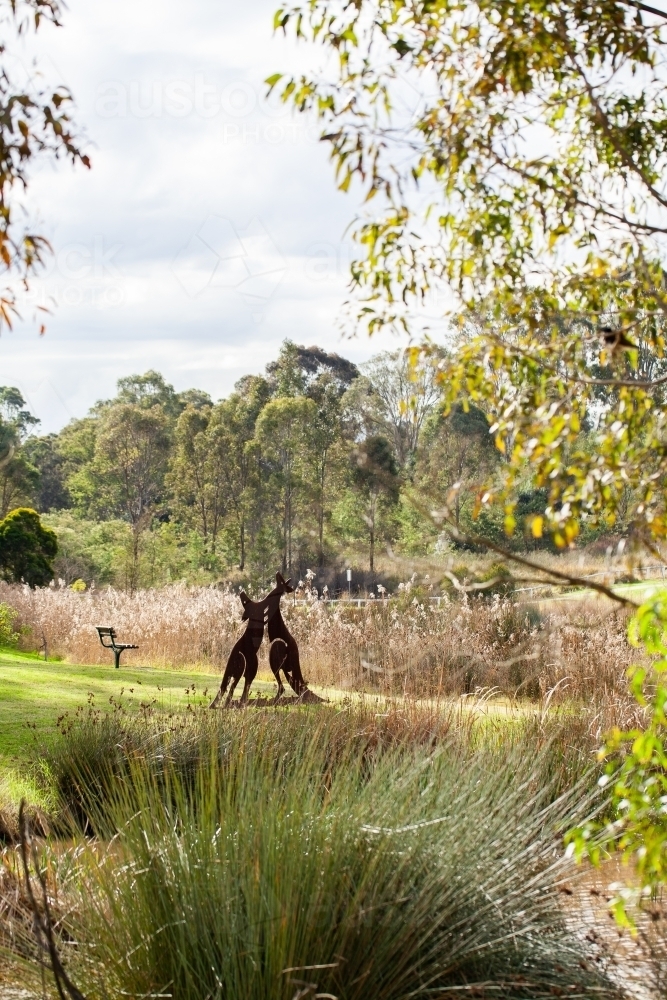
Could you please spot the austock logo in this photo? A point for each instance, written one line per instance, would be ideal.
(222, 256)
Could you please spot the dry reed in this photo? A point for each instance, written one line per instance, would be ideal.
(406, 646)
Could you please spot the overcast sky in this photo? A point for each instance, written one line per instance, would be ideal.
(209, 228)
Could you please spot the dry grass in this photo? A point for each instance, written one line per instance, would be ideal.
(175, 626)
(406, 646)
(600, 559)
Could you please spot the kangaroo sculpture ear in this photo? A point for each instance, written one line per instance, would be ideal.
(279, 578)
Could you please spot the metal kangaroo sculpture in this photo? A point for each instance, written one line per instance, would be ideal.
(283, 654)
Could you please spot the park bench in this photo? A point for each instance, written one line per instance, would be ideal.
(105, 632)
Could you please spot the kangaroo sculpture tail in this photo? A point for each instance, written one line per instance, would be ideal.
(277, 655)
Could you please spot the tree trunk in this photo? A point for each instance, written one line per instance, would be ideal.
(204, 524)
(320, 554)
(283, 567)
(289, 522)
(372, 512)
(458, 492)
(134, 571)
(287, 515)
(242, 540)
(372, 548)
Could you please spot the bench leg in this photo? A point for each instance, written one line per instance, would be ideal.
(116, 654)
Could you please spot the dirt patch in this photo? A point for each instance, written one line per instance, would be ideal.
(307, 698)
(637, 962)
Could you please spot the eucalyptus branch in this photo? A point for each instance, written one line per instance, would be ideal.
(538, 180)
(577, 379)
(603, 122)
(645, 8)
(607, 212)
(567, 579)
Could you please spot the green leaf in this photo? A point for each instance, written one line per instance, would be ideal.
(271, 81)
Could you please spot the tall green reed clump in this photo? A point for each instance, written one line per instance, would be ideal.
(82, 769)
(302, 859)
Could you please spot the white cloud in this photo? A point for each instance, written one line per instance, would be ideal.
(209, 228)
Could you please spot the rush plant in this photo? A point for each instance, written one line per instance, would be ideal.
(301, 857)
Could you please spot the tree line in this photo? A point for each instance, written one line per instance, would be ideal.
(314, 462)
(313, 458)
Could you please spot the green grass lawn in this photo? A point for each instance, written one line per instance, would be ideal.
(639, 592)
(34, 694)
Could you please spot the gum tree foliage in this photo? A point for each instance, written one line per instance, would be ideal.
(195, 479)
(35, 124)
(284, 434)
(528, 180)
(298, 370)
(130, 463)
(18, 477)
(375, 474)
(399, 398)
(45, 457)
(456, 455)
(326, 444)
(232, 430)
(201, 485)
(151, 389)
(210, 466)
(325, 378)
(13, 412)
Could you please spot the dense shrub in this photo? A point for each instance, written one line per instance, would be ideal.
(27, 548)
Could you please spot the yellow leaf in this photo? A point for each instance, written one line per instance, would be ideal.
(537, 526)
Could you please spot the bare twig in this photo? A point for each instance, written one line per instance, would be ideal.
(620, 383)
(645, 7)
(42, 921)
(566, 578)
